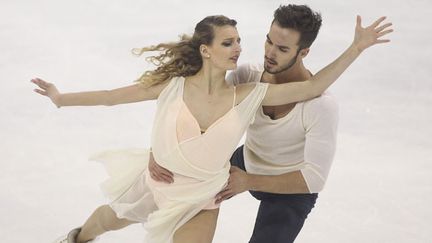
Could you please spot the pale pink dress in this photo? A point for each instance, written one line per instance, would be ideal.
(200, 163)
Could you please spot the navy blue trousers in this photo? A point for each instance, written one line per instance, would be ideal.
(280, 217)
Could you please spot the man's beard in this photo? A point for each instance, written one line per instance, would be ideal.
(284, 68)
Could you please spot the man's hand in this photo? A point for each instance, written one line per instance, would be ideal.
(237, 183)
(371, 35)
(159, 173)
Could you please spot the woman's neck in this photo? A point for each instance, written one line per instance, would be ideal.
(209, 79)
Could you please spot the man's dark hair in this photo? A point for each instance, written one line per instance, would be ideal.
(300, 18)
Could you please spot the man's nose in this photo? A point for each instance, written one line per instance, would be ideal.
(271, 52)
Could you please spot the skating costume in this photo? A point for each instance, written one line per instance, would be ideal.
(199, 161)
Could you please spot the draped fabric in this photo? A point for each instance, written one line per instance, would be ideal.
(199, 162)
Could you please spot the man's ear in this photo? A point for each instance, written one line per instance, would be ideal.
(304, 52)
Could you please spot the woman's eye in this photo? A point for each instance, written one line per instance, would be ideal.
(226, 43)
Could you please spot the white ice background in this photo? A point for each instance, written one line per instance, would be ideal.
(379, 189)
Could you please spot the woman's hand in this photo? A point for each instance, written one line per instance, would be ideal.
(47, 89)
(369, 36)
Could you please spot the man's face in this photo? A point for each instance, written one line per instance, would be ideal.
(281, 49)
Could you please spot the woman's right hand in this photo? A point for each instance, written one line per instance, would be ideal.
(47, 89)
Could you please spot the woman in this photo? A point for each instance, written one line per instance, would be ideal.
(196, 111)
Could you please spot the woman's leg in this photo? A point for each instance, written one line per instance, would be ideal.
(103, 219)
(199, 229)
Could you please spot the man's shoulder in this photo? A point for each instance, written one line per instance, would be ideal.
(245, 73)
(250, 67)
(255, 67)
(326, 102)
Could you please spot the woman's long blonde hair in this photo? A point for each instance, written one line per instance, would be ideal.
(182, 58)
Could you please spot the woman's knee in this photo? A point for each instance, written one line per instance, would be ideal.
(108, 219)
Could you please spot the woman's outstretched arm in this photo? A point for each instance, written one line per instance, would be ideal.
(279, 94)
(128, 94)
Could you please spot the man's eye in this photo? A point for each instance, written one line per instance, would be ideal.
(283, 50)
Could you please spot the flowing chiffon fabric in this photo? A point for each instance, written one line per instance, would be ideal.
(199, 162)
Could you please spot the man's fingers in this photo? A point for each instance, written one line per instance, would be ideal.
(234, 168)
(382, 41)
(156, 177)
(225, 195)
(164, 171)
(167, 179)
(381, 28)
(358, 21)
(160, 171)
(384, 33)
(227, 188)
(377, 22)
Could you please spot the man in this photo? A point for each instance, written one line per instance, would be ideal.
(289, 148)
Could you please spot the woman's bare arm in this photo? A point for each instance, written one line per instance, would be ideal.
(278, 94)
(128, 94)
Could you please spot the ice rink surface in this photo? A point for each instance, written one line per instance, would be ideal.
(380, 184)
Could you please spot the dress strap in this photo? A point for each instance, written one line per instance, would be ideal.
(234, 100)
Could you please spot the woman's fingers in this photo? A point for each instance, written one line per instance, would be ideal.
(42, 84)
(42, 92)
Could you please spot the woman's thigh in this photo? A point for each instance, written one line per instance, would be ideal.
(199, 229)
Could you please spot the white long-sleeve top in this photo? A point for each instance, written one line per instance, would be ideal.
(304, 139)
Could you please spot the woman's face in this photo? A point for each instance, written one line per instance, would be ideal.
(225, 50)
